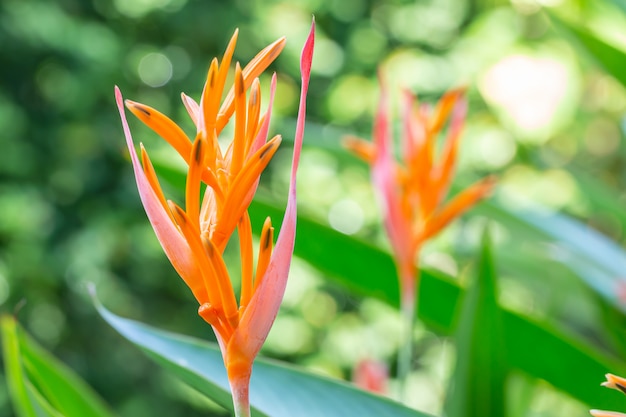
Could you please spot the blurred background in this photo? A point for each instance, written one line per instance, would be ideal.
(546, 116)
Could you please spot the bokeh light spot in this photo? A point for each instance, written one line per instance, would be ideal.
(289, 335)
(329, 57)
(489, 147)
(346, 216)
(347, 10)
(138, 8)
(418, 71)
(367, 44)
(155, 69)
(318, 308)
(350, 97)
(47, 321)
(524, 187)
(602, 137)
(528, 90)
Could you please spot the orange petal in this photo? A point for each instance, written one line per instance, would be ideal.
(244, 231)
(212, 316)
(192, 187)
(241, 191)
(208, 274)
(457, 206)
(218, 267)
(174, 244)
(254, 69)
(254, 111)
(444, 106)
(224, 68)
(261, 136)
(615, 382)
(210, 99)
(445, 170)
(361, 148)
(266, 245)
(239, 139)
(163, 126)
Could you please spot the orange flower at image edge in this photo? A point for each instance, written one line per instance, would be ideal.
(617, 383)
(194, 238)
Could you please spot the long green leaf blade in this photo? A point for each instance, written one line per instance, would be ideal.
(540, 350)
(598, 261)
(13, 368)
(551, 352)
(478, 380)
(60, 385)
(27, 401)
(276, 390)
(610, 58)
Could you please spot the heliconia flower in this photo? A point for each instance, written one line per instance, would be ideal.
(412, 191)
(617, 383)
(194, 238)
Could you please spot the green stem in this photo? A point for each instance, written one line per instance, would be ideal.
(408, 306)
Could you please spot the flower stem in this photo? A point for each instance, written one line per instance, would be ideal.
(242, 410)
(240, 389)
(408, 306)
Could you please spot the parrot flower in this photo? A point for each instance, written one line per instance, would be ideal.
(194, 238)
(615, 382)
(412, 191)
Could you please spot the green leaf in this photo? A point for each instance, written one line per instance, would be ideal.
(13, 366)
(478, 380)
(58, 383)
(40, 385)
(607, 56)
(585, 252)
(540, 350)
(27, 401)
(276, 390)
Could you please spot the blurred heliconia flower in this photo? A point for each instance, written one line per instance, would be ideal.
(371, 375)
(412, 191)
(194, 238)
(618, 383)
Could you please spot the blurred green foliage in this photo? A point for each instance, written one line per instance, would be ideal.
(544, 115)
